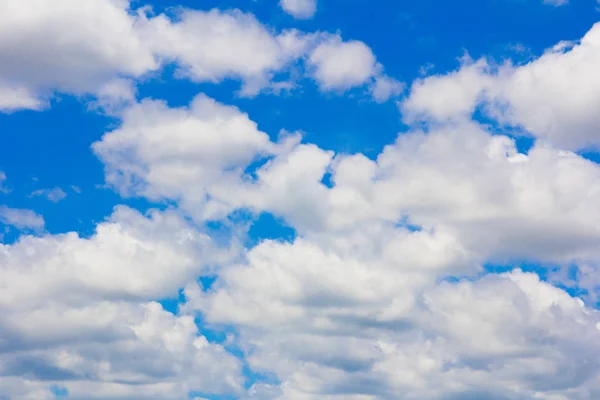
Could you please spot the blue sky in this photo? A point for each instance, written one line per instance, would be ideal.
(248, 200)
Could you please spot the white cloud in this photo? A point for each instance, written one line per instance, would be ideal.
(357, 306)
(553, 97)
(499, 212)
(502, 209)
(76, 312)
(54, 195)
(16, 98)
(342, 65)
(103, 47)
(354, 307)
(213, 45)
(335, 323)
(118, 351)
(337, 65)
(151, 257)
(81, 46)
(99, 46)
(161, 152)
(444, 97)
(300, 9)
(385, 88)
(20, 218)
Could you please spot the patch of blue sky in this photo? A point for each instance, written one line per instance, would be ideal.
(59, 391)
(559, 276)
(270, 227)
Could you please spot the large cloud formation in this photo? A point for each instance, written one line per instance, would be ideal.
(382, 294)
(100, 48)
(80, 312)
(554, 97)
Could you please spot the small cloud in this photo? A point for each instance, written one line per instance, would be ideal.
(518, 48)
(21, 218)
(385, 87)
(339, 66)
(426, 69)
(282, 87)
(556, 3)
(76, 189)
(299, 9)
(54, 195)
(2, 179)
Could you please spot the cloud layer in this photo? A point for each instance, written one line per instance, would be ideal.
(386, 290)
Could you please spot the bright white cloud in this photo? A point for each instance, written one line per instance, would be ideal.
(300, 306)
(499, 212)
(451, 96)
(554, 97)
(161, 152)
(353, 306)
(76, 311)
(211, 46)
(103, 46)
(385, 88)
(21, 219)
(344, 326)
(116, 351)
(357, 307)
(129, 257)
(82, 47)
(338, 66)
(342, 65)
(502, 208)
(300, 9)
(16, 98)
(92, 47)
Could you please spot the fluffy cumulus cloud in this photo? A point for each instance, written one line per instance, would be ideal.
(69, 46)
(378, 333)
(341, 65)
(499, 211)
(20, 218)
(77, 313)
(211, 46)
(383, 292)
(301, 9)
(553, 97)
(102, 47)
(354, 307)
(160, 152)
